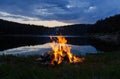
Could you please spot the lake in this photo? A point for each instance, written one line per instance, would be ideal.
(12, 41)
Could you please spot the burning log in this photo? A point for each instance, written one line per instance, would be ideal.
(61, 53)
(48, 59)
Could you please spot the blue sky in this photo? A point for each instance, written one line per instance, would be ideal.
(58, 12)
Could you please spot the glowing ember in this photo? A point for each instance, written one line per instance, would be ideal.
(61, 51)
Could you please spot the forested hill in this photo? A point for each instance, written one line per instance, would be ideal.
(7, 27)
(107, 25)
(76, 29)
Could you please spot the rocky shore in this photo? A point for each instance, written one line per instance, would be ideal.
(106, 42)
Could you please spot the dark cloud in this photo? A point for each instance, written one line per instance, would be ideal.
(75, 11)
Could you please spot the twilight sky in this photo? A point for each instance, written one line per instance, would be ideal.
(57, 12)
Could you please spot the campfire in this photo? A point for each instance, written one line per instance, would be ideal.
(61, 52)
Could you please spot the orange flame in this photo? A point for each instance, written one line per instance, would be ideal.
(61, 50)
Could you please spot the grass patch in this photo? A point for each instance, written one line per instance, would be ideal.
(99, 66)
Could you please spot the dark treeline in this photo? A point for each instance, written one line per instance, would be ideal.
(7, 27)
(76, 29)
(107, 25)
(105, 34)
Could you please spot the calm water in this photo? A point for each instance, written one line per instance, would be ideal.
(12, 41)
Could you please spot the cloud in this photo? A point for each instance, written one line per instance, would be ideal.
(77, 4)
(42, 12)
(91, 9)
(9, 15)
(30, 20)
(4, 14)
(70, 11)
